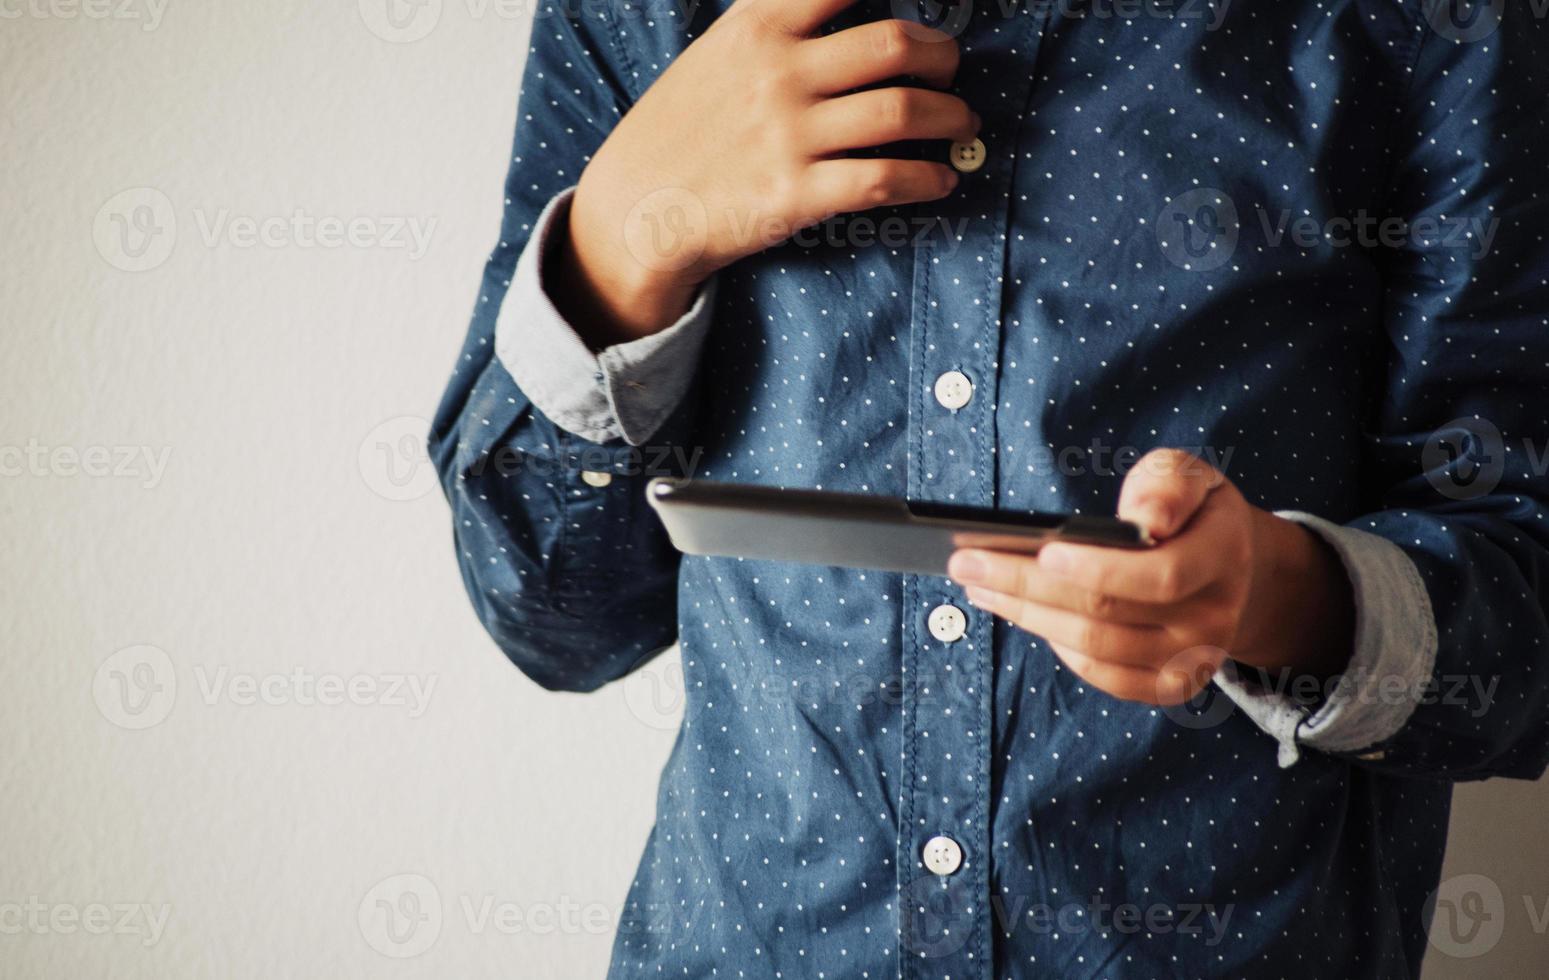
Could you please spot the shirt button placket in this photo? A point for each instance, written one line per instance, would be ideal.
(944, 843)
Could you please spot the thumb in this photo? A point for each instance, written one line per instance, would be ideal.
(1165, 489)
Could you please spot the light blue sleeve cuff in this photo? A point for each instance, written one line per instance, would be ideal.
(1390, 668)
(627, 390)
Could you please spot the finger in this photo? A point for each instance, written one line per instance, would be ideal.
(1164, 687)
(1169, 573)
(1166, 488)
(1205, 553)
(1139, 646)
(795, 16)
(1120, 680)
(887, 115)
(1020, 575)
(835, 186)
(876, 52)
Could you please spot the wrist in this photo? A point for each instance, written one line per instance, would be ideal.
(1300, 612)
(608, 295)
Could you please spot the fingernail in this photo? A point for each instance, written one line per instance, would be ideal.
(1159, 516)
(966, 567)
(1054, 559)
(977, 597)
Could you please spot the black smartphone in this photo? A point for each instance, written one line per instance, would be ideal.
(818, 527)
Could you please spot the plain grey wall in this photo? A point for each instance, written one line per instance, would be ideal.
(249, 713)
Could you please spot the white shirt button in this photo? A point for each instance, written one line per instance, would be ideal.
(596, 478)
(942, 856)
(953, 390)
(967, 157)
(947, 623)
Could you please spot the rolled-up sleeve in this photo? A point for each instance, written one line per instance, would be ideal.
(1391, 664)
(1450, 568)
(566, 565)
(626, 391)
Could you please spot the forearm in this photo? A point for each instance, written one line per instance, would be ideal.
(608, 295)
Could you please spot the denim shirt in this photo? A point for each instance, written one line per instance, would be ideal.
(1305, 241)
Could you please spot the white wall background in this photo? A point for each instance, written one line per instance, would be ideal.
(267, 530)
